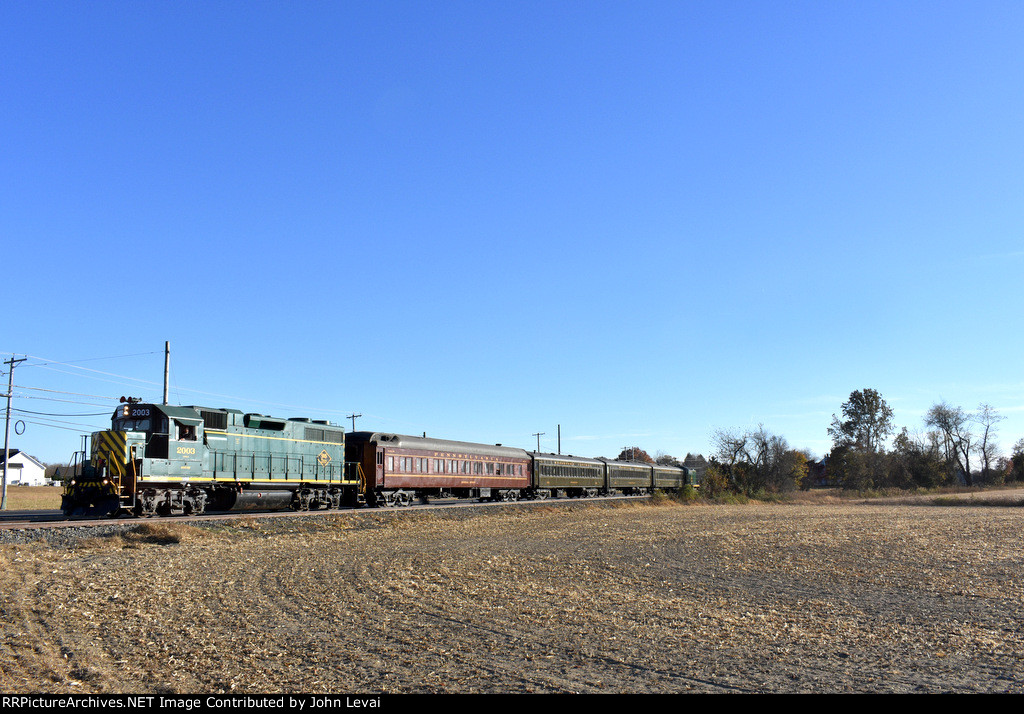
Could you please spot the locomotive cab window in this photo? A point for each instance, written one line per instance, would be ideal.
(132, 425)
(186, 432)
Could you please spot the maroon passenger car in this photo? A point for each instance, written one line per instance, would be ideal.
(395, 469)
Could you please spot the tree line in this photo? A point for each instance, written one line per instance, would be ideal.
(956, 447)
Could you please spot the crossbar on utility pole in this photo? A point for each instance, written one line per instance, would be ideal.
(538, 440)
(7, 426)
(353, 418)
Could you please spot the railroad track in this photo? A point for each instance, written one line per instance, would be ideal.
(55, 518)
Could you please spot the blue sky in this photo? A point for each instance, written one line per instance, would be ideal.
(642, 221)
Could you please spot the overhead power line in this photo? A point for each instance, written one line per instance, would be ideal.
(107, 374)
(90, 414)
(62, 401)
(58, 391)
(77, 428)
(89, 359)
(74, 369)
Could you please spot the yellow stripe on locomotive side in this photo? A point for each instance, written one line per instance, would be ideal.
(246, 481)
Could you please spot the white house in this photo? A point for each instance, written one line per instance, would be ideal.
(23, 469)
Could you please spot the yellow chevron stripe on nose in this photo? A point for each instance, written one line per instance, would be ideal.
(113, 447)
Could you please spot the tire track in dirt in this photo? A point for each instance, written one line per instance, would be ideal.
(601, 599)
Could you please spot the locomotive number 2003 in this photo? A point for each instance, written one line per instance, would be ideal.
(187, 450)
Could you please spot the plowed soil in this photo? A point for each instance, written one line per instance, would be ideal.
(607, 597)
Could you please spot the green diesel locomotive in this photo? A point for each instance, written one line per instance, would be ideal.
(166, 460)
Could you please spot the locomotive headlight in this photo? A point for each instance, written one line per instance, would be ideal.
(125, 411)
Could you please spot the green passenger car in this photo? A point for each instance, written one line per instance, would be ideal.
(674, 478)
(572, 476)
(629, 477)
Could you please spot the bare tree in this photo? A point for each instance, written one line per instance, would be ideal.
(955, 426)
(987, 419)
(731, 448)
(760, 460)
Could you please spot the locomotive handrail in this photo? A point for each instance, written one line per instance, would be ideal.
(359, 473)
(135, 474)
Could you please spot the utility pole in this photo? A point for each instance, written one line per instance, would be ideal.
(7, 425)
(559, 439)
(538, 440)
(167, 368)
(353, 418)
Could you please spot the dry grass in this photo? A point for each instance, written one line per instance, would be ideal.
(33, 498)
(159, 533)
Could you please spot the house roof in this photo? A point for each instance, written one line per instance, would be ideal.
(16, 452)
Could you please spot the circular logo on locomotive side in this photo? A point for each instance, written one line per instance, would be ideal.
(324, 458)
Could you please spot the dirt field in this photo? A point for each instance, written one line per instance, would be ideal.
(582, 598)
